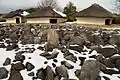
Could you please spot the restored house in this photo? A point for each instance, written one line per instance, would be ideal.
(95, 14)
(46, 15)
(14, 16)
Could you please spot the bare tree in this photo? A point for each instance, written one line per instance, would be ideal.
(48, 3)
(117, 5)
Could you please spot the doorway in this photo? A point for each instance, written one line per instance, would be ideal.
(17, 20)
(54, 21)
(107, 22)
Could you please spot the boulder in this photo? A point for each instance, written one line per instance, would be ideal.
(19, 57)
(18, 67)
(76, 48)
(71, 58)
(15, 76)
(77, 73)
(108, 52)
(52, 40)
(62, 71)
(7, 62)
(40, 74)
(90, 70)
(69, 66)
(29, 66)
(49, 74)
(3, 73)
(78, 40)
(31, 74)
(49, 56)
(2, 45)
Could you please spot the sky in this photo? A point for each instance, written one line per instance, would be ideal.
(9, 5)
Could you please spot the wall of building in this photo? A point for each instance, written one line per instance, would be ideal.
(97, 21)
(44, 20)
(13, 20)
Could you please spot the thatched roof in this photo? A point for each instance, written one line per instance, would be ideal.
(45, 12)
(14, 13)
(95, 10)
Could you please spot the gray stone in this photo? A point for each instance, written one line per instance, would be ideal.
(19, 57)
(7, 62)
(71, 58)
(69, 66)
(90, 70)
(29, 66)
(62, 71)
(49, 75)
(40, 74)
(15, 76)
(31, 74)
(3, 73)
(108, 52)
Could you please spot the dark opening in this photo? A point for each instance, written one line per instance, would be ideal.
(17, 20)
(107, 22)
(53, 21)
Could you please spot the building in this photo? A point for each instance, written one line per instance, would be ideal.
(46, 15)
(14, 16)
(95, 14)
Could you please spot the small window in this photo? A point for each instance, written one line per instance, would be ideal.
(54, 21)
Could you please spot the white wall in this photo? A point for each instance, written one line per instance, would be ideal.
(44, 20)
(13, 20)
(87, 20)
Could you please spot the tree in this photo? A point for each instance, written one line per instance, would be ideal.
(117, 5)
(70, 11)
(48, 3)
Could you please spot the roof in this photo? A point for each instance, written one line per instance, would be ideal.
(14, 13)
(95, 10)
(46, 12)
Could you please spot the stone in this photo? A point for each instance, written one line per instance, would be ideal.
(18, 66)
(29, 66)
(11, 47)
(71, 58)
(40, 74)
(54, 65)
(118, 64)
(78, 40)
(110, 71)
(52, 40)
(49, 56)
(45, 62)
(7, 62)
(41, 48)
(3, 73)
(55, 60)
(31, 74)
(106, 78)
(77, 73)
(108, 52)
(82, 59)
(19, 57)
(62, 71)
(90, 70)
(69, 66)
(49, 74)
(15, 76)
(76, 48)
(2, 45)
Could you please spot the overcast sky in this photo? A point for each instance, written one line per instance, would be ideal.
(8, 5)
